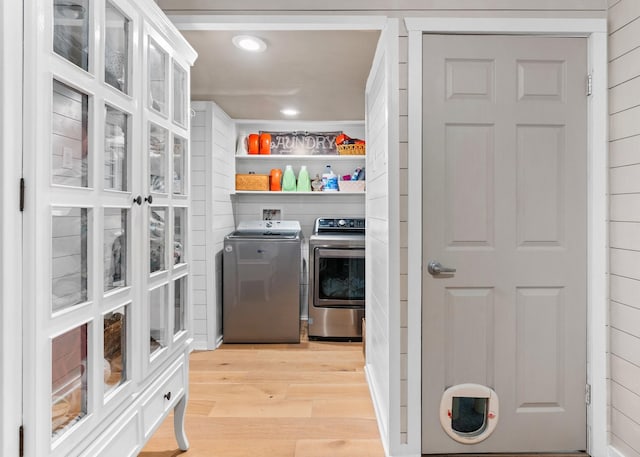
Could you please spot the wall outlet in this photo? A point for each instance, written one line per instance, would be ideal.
(67, 158)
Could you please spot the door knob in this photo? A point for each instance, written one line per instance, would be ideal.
(149, 199)
(138, 200)
(435, 268)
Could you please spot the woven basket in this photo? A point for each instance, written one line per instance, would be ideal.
(352, 149)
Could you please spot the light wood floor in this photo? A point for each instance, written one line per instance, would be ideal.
(290, 400)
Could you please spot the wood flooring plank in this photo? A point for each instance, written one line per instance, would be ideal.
(285, 400)
(339, 448)
(266, 409)
(359, 407)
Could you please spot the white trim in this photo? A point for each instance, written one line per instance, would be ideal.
(278, 23)
(595, 31)
(598, 259)
(11, 29)
(377, 407)
(613, 452)
(414, 233)
(488, 25)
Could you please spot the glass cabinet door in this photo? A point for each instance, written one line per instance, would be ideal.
(179, 304)
(179, 158)
(180, 102)
(115, 325)
(69, 136)
(71, 31)
(157, 77)
(116, 58)
(157, 158)
(116, 150)
(158, 310)
(69, 388)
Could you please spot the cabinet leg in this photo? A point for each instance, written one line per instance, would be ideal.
(178, 423)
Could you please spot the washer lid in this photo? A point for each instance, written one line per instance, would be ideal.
(274, 226)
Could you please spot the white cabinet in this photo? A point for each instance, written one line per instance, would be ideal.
(106, 251)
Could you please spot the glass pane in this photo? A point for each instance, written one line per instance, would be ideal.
(180, 299)
(179, 156)
(157, 158)
(179, 95)
(116, 147)
(69, 257)
(157, 78)
(157, 318)
(469, 415)
(341, 278)
(115, 348)
(115, 248)
(157, 240)
(179, 229)
(69, 370)
(116, 59)
(71, 31)
(69, 164)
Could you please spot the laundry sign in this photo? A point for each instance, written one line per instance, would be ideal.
(303, 143)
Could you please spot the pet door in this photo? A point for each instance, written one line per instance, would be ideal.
(469, 412)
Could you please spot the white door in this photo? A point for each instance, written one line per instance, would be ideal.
(505, 181)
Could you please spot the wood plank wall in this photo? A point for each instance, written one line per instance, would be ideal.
(624, 175)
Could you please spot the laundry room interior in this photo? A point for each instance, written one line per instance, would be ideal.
(237, 95)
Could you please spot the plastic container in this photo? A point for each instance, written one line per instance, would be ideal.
(304, 182)
(288, 180)
(265, 143)
(331, 184)
(275, 179)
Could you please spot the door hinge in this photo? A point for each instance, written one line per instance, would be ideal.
(21, 194)
(21, 442)
(589, 85)
(587, 394)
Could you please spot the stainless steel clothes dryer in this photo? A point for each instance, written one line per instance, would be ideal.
(337, 278)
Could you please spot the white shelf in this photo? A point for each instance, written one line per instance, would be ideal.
(314, 158)
(287, 194)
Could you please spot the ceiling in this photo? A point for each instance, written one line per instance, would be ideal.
(320, 73)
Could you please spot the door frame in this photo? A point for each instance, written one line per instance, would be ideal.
(11, 70)
(595, 30)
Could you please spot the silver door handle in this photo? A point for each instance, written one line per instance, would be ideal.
(435, 268)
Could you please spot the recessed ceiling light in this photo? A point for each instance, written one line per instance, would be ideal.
(290, 112)
(249, 43)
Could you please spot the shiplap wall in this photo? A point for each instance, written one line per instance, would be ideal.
(212, 182)
(624, 175)
(381, 207)
(399, 9)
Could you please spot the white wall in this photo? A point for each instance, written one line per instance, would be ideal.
(624, 175)
(212, 182)
(382, 300)
(10, 226)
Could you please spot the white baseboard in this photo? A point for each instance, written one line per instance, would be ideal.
(613, 452)
(382, 424)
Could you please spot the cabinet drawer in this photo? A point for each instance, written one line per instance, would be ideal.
(121, 440)
(163, 398)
